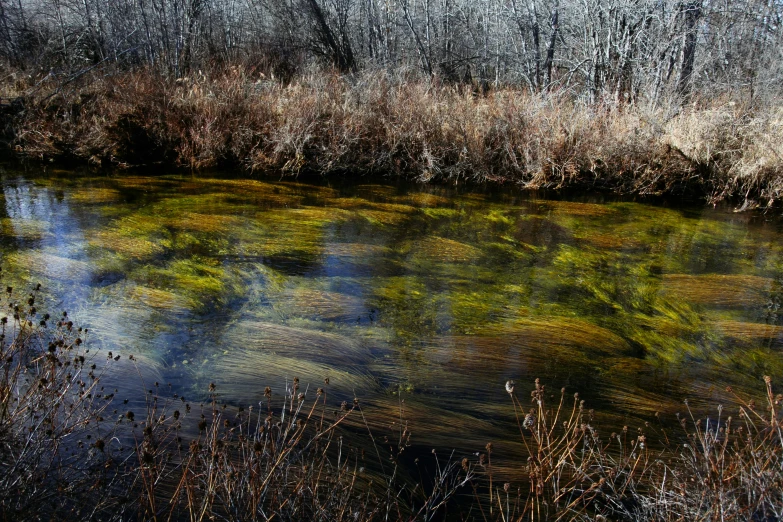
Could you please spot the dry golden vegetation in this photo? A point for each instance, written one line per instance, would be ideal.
(72, 448)
(373, 122)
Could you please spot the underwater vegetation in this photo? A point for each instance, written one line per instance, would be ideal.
(99, 434)
(423, 294)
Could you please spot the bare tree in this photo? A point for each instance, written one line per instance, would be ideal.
(602, 50)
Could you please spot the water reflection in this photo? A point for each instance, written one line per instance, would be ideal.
(434, 296)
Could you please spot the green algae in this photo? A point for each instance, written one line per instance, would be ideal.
(204, 223)
(161, 299)
(383, 218)
(95, 196)
(25, 229)
(441, 213)
(434, 297)
(719, 289)
(196, 284)
(441, 250)
(423, 200)
(746, 332)
(120, 241)
(51, 265)
(280, 353)
(575, 209)
(320, 305)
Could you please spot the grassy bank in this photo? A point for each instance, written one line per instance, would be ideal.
(72, 448)
(371, 123)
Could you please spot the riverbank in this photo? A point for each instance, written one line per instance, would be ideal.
(374, 124)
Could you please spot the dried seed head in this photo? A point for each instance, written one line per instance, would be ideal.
(510, 387)
(148, 458)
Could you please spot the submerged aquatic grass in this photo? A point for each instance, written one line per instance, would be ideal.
(51, 265)
(24, 229)
(425, 296)
(86, 452)
(719, 289)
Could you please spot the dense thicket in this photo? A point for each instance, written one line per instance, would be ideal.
(600, 50)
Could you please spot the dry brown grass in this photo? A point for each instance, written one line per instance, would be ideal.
(374, 123)
(727, 466)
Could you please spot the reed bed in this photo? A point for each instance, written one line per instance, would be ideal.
(376, 123)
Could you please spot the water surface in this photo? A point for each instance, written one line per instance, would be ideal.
(430, 296)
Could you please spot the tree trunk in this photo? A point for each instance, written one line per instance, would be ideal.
(550, 50)
(340, 51)
(691, 13)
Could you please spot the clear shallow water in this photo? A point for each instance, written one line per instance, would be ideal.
(418, 294)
